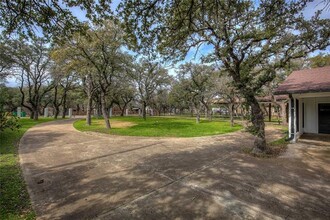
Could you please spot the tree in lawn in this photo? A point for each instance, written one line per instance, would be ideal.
(199, 83)
(124, 92)
(65, 80)
(161, 101)
(226, 92)
(148, 76)
(97, 56)
(179, 97)
(30, 65)
(251, 40)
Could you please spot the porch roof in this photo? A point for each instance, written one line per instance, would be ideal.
(306, 81)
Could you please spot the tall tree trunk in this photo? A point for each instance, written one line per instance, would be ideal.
(123, 109)
(63, 112)
(36, 109)
(283, 113)
(64, 104)
(89, 109)
(35, 114)
(57, 111)
(198, 116)
(208, 114)
(104, 111)
(257, 119)
(231, 112)
(144, 111)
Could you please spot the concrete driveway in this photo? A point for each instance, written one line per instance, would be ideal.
(74, 175)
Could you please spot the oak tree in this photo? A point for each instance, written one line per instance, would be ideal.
(252, 40)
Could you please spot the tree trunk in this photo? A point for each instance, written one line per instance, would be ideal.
(123, 109)
(56, 112)
(231, 113)
(35, 114)
(198, 116)
(64, 105)
(144, 111)
(191, 112)
(63, 112)
(89, 110)
(104, 112)
(283, 113)
(208, 114)
(257, 119)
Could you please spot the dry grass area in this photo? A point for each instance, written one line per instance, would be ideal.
(117, 124)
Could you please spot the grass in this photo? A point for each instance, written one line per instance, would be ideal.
(14, 199)
(160, 127)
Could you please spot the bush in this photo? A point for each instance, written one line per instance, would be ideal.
(8, 121)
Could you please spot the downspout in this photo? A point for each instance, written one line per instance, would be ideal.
(291, 114)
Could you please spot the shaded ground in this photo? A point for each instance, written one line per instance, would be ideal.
(74, 175)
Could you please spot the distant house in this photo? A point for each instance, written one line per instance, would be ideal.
(277, 106)
(309, 101)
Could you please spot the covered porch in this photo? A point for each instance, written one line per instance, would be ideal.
(309, 113)
(309, 101)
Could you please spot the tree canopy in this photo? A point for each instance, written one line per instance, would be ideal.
(53, 18)
(251, 40)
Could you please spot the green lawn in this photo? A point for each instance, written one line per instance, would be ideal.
(14, 199)
(159, 127)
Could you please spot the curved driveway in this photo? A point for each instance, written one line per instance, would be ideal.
(74, 175)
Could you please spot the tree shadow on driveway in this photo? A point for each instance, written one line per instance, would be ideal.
(204, 181)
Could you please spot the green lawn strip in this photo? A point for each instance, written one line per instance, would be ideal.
(161, 127)
(14, 199)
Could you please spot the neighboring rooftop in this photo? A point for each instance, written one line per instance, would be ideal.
(306, 81)
(276, 98)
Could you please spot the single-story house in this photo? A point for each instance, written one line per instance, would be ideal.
(309, 101)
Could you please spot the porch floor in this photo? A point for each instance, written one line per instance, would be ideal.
(315, 138)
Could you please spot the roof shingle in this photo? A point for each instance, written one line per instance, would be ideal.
(306, 81)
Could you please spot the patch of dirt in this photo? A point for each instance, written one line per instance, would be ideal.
(122, 124)
(274, 132)
(119, 124)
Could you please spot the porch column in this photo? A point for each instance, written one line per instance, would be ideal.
(295, 117)
(291, 118)
(270, 112)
